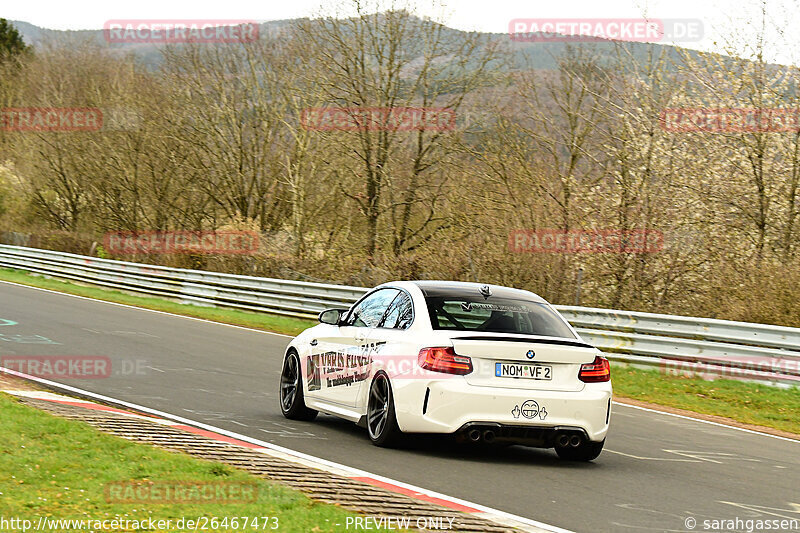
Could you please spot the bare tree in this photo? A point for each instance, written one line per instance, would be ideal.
(387, 58)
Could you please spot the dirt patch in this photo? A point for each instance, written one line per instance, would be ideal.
(8, 382)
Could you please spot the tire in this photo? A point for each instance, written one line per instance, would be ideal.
(588, 451)
(381, 418)
(293, 404)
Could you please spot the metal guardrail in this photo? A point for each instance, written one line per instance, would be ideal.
(677, 344)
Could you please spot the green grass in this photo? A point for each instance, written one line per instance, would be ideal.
(745, 402)
(57, 468)
(750, 403)
(275, 323)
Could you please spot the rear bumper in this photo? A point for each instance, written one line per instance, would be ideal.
(451, 405)
(543, 437)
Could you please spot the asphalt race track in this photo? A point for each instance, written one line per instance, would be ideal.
(656, 471)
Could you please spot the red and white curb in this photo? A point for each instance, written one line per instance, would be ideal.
(273, 450)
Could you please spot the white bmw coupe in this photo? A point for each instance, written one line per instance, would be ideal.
(486, 363)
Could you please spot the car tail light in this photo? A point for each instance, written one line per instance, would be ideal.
(595, 372)
(444, 360)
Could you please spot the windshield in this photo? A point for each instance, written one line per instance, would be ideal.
(497, 315)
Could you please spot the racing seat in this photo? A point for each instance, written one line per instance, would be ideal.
(499, 322)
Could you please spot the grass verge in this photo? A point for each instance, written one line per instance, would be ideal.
(749, 403)
(59, 469)
(744, 402)
(275, 323)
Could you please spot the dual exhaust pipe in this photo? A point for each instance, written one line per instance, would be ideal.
(475, 435)
(563, 438)
(573, 440)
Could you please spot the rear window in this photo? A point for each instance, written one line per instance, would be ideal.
(495, 315)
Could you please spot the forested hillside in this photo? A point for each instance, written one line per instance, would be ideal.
(561, 137)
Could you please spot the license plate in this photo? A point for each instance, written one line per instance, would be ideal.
(523, 371)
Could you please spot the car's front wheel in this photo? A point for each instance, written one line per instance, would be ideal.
(293, 405)
(588, 451)
(381, 419)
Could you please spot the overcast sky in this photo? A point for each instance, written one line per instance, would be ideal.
(721, 18)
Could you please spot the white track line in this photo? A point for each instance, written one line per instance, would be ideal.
(289, 336)
(149, 310)
(488, 513)
(720, 424)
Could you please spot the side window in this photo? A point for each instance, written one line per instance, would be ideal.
(369, 311)
(400, 313)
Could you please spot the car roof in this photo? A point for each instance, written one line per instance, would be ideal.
(438, 288)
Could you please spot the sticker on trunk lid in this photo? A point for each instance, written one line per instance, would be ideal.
(530, 409)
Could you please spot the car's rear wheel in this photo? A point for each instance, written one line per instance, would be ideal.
(293, 405)
(381, 419)
(588, 451)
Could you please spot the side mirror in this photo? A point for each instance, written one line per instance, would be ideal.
(331, 316)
